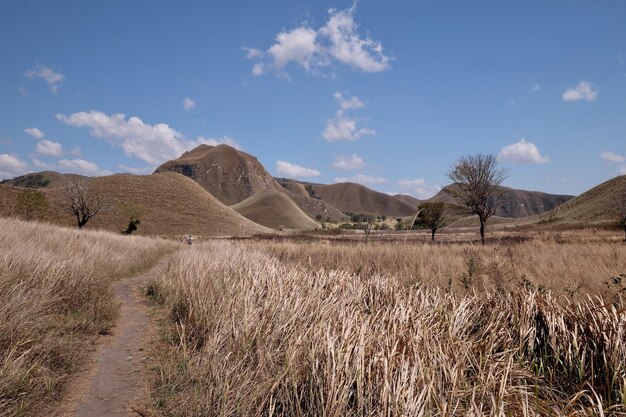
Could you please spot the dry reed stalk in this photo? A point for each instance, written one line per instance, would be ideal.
(254, 335)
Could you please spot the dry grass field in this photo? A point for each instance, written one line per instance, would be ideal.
(55, 298)
(342, 329)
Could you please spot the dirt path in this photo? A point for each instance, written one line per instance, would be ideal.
(115, 380)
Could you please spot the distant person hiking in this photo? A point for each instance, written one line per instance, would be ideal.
(187, 240)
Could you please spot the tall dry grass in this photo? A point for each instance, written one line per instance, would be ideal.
(55, 296)
(253, 335)
(572, 265)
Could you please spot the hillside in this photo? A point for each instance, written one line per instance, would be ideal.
(356, 198)
(228, 174)
(171, 205)
(596, 205)
(514, 204)
(44, 179)
(276, 210)
(232, 176)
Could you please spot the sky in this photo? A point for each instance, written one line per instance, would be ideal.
(386, 94)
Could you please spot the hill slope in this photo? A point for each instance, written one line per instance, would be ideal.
(356, 198)
(171, 205)
(514, 204)
(596, 205)
(228, 174)
(276, 210)
(232, 176)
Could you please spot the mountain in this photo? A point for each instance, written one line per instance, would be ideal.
(276, 210)
(171, 205)
(228, 174)
(356, 198)
(514, 203)
(232, 176)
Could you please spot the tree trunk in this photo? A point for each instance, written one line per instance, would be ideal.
(482, 231)
(432, 237)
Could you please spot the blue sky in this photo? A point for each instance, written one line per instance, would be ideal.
(388, 94)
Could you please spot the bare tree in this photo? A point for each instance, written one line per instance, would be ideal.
(620, 202)
(477, 180)
(81, 200)
(432, 215)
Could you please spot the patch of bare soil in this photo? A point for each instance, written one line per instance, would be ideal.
(115, 381)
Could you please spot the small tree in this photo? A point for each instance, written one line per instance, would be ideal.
(133, 212)
(31, 203)
(81, 200)
(432, 215)
(476, 180)
(620, 202)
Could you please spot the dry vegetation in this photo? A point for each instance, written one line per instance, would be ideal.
(573, 264)
(55, 297)
(289, 329)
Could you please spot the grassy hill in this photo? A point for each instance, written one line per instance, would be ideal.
(595, 206)
(514, 204)
(228, 174)
(276, 210)
(171, 205)
(232, 176)
(356, 198)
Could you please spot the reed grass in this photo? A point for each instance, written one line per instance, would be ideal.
(55, 298)
(255, 334)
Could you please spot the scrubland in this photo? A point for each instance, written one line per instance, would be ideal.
(342, 329)
(55, 298)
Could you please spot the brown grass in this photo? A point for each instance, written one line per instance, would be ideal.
(55, 297)
(571, 264)
(274, 209)
(254, 334)
(170, 204)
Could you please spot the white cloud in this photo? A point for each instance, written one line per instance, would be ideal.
(34, 132)
(419, 188)
(52, 77)
(522, 152)
(292, 170)
(536, 87)
(362, 179)
(338, 41)
(348, 47)
(343, 126)
(11, 166)
(47, 147)
(583, 91)
(349, 162)
(297, 45)
(154, 144)
(80, 166)
(622, 170)
(351, 103)
(188, 103)
(612, 157)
